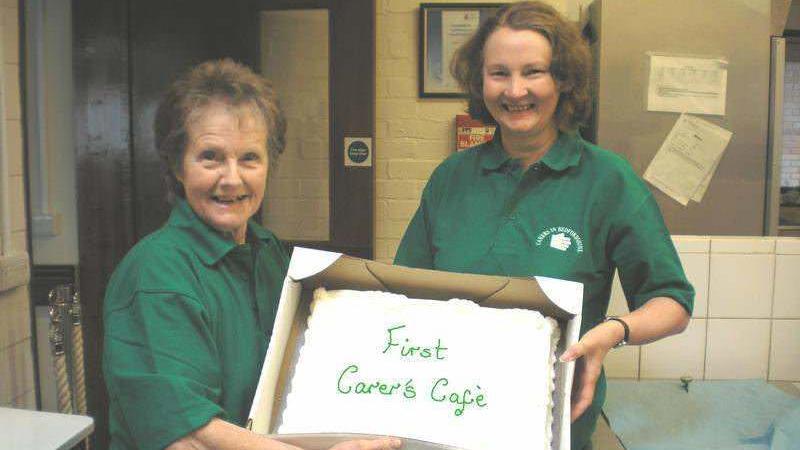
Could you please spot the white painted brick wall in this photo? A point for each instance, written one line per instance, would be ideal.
(297, 206)
(17, 388)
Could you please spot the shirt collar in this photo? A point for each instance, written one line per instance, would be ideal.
(209, 244)
(493, 157)
(564, 153)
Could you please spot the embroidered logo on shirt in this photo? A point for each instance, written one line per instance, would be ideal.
(561, 238)
(560, 241)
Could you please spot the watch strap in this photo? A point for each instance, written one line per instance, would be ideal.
(627, 331)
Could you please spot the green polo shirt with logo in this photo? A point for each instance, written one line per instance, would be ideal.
(188, 315)
(578, 214)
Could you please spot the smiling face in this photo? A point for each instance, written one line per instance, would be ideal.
(224, 168)
(518, 89)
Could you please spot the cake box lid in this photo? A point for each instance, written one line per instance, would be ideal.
(553, 297)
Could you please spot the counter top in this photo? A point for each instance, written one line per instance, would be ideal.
(730, 414)
(38, 430)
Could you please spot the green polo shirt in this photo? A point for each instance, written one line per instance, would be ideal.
(188, 315)
(578, 214)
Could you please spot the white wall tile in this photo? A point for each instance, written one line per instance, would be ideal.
(787, 246)
(696, 267)
(787, 287)
(737, 349)
(742, 245)
(740, 285)
(623, 362)
(676, 356)
(617, 306)
(691, 244)
(784, 361)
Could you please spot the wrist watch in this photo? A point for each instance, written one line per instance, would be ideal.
(627, 334)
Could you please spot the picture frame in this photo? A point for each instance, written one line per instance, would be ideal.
(443, 28)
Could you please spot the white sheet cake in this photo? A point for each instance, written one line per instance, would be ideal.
(449, 372)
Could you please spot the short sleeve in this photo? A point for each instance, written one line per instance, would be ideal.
(162, 367)
(648, 265)
(416, 249)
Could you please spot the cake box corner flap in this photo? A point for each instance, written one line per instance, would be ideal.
(567, 295)
(307, 262)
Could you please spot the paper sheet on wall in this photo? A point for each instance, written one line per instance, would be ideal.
(687, 84)
(457, 27)
(688, 158)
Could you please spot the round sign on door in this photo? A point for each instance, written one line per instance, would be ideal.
(358, 152)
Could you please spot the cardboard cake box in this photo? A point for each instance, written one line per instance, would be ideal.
(310, 269)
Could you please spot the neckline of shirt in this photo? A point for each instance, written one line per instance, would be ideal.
(565, 153)
(210, 245)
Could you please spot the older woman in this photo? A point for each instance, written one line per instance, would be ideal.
(539, 200)
(189, 311)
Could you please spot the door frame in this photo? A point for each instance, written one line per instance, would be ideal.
(352, 199)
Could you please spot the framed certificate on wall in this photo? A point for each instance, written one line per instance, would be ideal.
(443, 28)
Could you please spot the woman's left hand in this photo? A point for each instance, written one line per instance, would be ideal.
(588, 354)
(658, 318)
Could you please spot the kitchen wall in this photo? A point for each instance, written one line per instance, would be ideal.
(16, 356)
(746, 322)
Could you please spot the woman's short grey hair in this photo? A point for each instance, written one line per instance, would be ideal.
(223, 81)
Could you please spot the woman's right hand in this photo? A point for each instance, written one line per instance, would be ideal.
(369, 444)
(218, 434)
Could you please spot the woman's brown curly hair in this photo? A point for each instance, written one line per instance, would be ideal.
(222, 81)
(570, 65)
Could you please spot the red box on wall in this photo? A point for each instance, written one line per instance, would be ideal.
(471, 132)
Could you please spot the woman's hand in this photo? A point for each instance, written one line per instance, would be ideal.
(221, 435)
(658, 318)
(588, 354)
(369, 444)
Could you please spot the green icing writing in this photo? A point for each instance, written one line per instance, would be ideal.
(407, 350)
(462, 399)
(409, 391)
(396, 343)
(345, 385)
